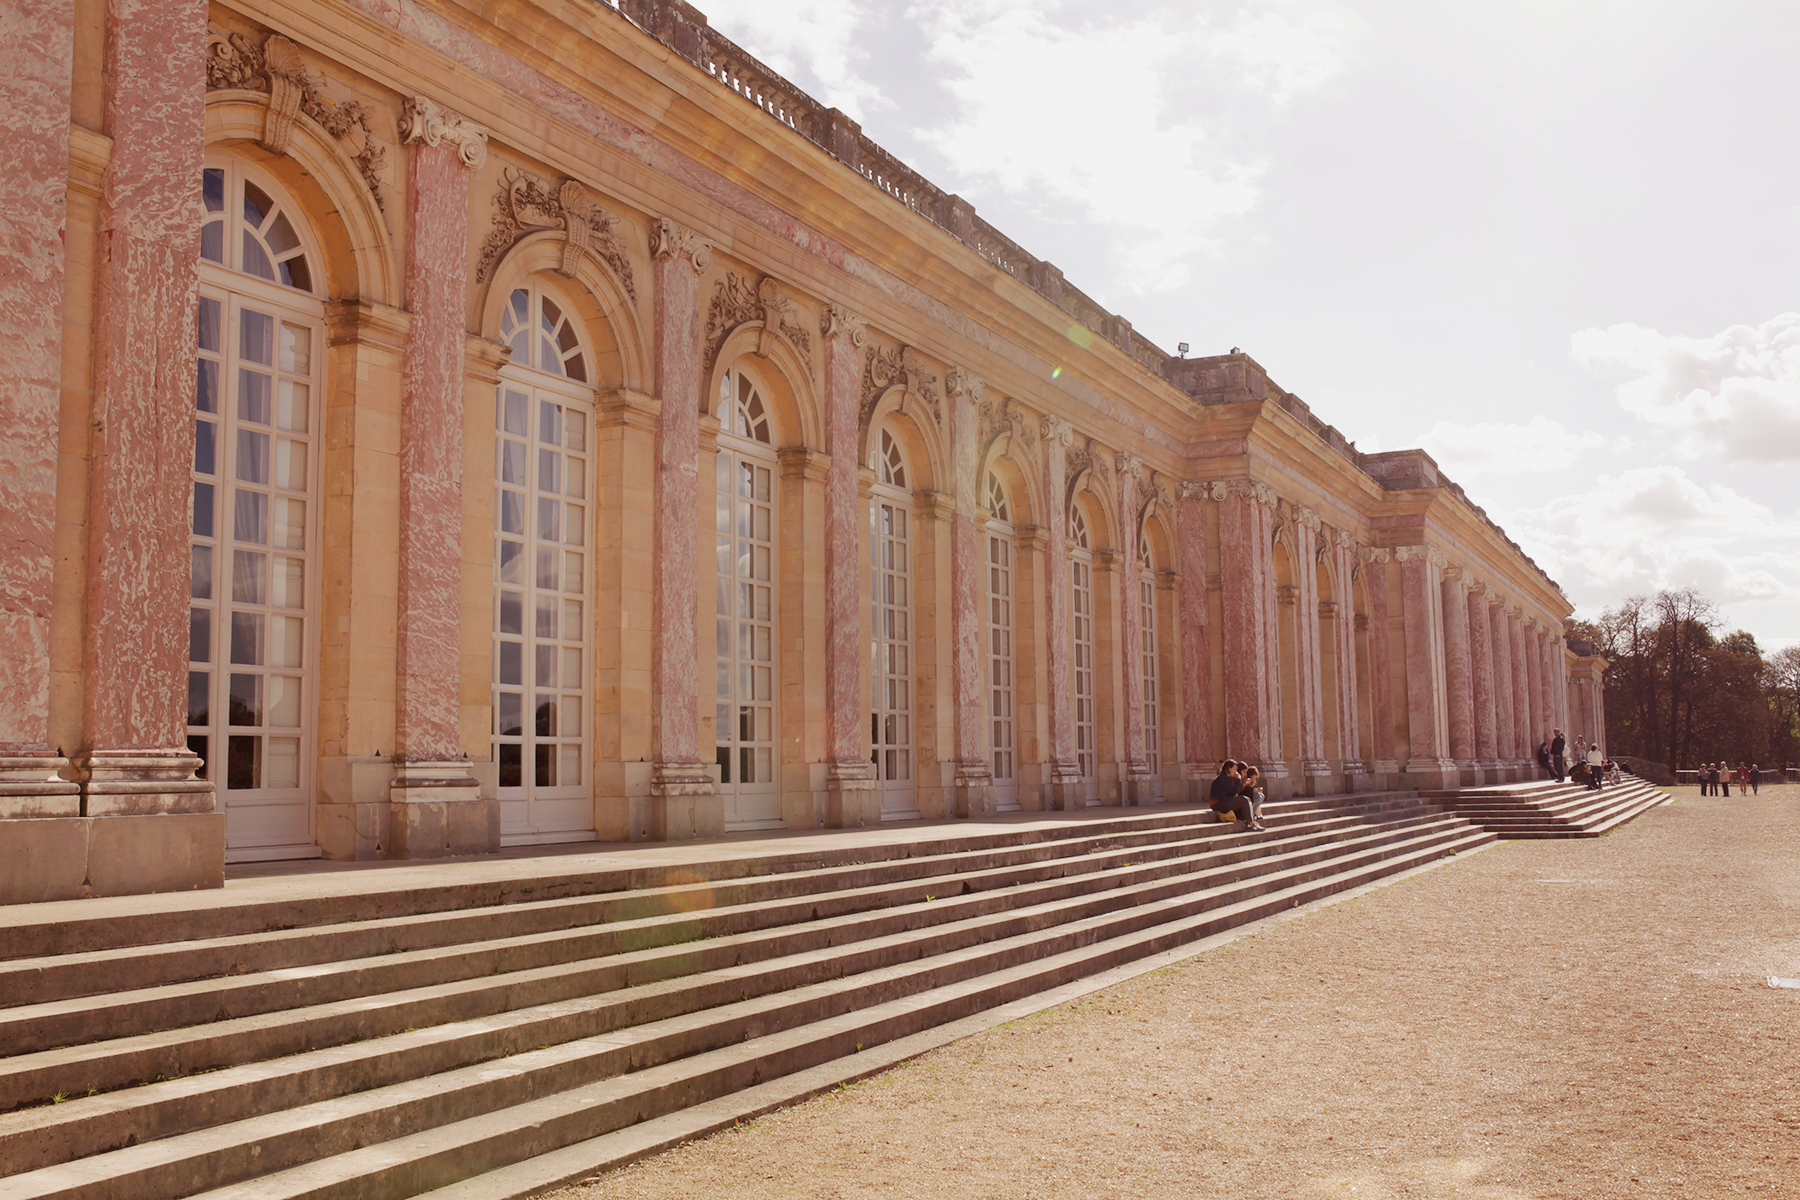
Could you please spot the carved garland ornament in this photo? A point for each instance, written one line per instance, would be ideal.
(526, 202)
(736, 303)
(275, 67)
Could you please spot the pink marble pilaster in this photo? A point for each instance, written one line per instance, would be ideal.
(1521, 687)
(974, 781)
(850, 776)
(1507, 740)
(1381, 697)
(681, 781)
(1459, 684)
(1252, 647)
(429, 772)
(1481, 675)
(1548, 676)
(1535, 729)
(1421, 601)
(135, 660)
(1196, 646)
(1138, 784)
(1309, 676)
(33, 197)
(1064, 790)
(1343, 568)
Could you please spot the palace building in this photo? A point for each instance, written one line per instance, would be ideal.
(432, 427)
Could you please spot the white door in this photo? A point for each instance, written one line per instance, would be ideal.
(890, 617)
(1081, 630)
(1002, 723)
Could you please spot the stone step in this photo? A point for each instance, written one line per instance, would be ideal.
(429, 1129)
(730, 936)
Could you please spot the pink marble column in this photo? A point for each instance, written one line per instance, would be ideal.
(684, 801)
(1252, 646)
(1064, 790)
(1521, 687)
(851, 799)
(1343, 569)
(1427, 721)
(33, 195)
(1481, 659)
(1315, 770)
(1548, 676)
(1459, 684)
(974, 781)
(1535, 729)
(1196, 646)
(1507, 740)
(1138, 785)
(1381, 699)
(136, 759)
(435, 804)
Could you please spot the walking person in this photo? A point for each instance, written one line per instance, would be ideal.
(1556, 754)
(1743, 778)
(1596, 767)
(1755, 780)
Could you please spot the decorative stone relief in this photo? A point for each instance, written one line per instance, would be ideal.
(526, 202)
(1187, 489)
(1430, 554)
(883, 369)
(1057, 432)
(668, 239)
(960, 382)
(1002, 416)
(237, 61)
(423, 120)
(1252, 489)
(1373, 554)
(1307, 517)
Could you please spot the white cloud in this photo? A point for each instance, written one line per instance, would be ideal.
(1655, 527)
(1468, 452)
(1094, 120)
(1736, 394)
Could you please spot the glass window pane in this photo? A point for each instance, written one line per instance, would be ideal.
(512, 766)
(247, 639)
(210, 314)
(290, 523)
(281, 235)
(284, 701)
(256, 259)
(512, 612)
(212, 189)
(287, 637)
(512, 663)
(203, 510)
(252, 456)
(282, 763)
(257, 205)
(291, 406)
(544, 767)
(290, 464)
(248, 570)
(200, 560)
(212, 242)
(253, 396)
(205, 448)
(295, 274)
(243, 769)
(199, 698)
(508, 713)
(569, 769)
(288, 589)
(246, 700)
(513, 413)
(199, 635)
(206, 386)
(512, 462)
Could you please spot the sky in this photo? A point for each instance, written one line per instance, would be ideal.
(1554, 242)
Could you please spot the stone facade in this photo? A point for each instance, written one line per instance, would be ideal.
(593, 437)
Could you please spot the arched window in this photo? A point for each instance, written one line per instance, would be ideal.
(543, 489)
(258, 411)
(543, 335)
(1081, 630)
(890, 615)
(250, 229)
(1148, 654)
(748, 607)
(1002, 723)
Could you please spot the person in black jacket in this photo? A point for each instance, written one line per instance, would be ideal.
(1543, 757)
(1228, 796)
(1559, 767)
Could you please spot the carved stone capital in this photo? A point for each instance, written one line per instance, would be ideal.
(1187, 489)
(667, 240)
(1430, 554)
(424, 121)
(1057, 432)
(1307, 517)
(1245, 489)
(961, 382)
(1455, 574)
(838, 322)
(1128, 463)
(1373, 554)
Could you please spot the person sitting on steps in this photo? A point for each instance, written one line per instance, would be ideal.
(1227, 795)
(1253, 788)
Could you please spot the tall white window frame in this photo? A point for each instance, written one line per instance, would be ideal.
(1148, 663)
(891, 724)
(747, 634)
(1003, 731)
(544, 488)
(259, 410)
(1081, 645)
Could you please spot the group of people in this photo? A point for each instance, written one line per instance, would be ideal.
(1237, 789)
(1580, 762)
(1716, 779)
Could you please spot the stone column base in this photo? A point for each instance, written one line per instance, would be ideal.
(31, 785)
(1196, 782)
(851, 799)
(685, 803)
(972, 795)
(1139, 787)
(1317, 778)
(1356, 775)
(1066, 791)
(129, 783)
(1432, 773)
(1277, 784)
(436, 810)
(77, 858)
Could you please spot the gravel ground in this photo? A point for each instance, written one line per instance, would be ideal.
(1545, 1019)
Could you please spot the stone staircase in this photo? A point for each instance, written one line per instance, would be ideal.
(1547, 809)
(520, 1025)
